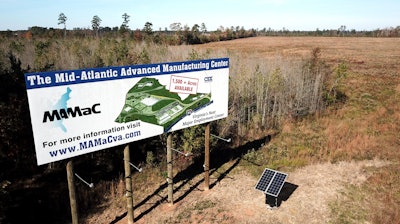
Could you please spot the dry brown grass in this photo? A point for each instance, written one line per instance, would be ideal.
(366, 126)
(332, 187)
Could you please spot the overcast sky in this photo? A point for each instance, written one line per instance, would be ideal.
(258, 14)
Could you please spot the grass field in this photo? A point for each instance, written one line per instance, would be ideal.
(343, 162)
(365, 127)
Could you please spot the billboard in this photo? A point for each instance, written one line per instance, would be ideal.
(76, 112)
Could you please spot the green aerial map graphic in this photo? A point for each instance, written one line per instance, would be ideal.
(151, 102)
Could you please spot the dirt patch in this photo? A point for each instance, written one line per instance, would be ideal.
(398, 88)
(234, 199)
(317, 186)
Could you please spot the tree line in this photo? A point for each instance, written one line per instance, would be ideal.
(178, 34)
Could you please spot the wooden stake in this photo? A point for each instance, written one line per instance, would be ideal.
(207, 158)
(170, 170)
(128, 185)
(72, 194)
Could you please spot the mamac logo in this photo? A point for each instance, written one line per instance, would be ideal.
(60, 111)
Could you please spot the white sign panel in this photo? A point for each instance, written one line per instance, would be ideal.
(81, 111)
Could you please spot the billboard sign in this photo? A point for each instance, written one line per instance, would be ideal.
(76, 112)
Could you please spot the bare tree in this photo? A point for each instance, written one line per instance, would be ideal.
(62, 19)
(125, 26)
(342, 30)
(203, 28)
(175, 27)
(96, 24)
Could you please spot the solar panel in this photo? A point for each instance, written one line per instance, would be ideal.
(271, 182)
(265, 179)
(276, 184)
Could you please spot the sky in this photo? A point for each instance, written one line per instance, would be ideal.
(305, 15)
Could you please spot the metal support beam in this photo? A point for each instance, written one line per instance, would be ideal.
(220, 138)
(84, 181)
(182, 153)
(136, 168)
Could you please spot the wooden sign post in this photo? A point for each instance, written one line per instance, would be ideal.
(128, 185)
(72, 194)
(170, 170)
(207, 158)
